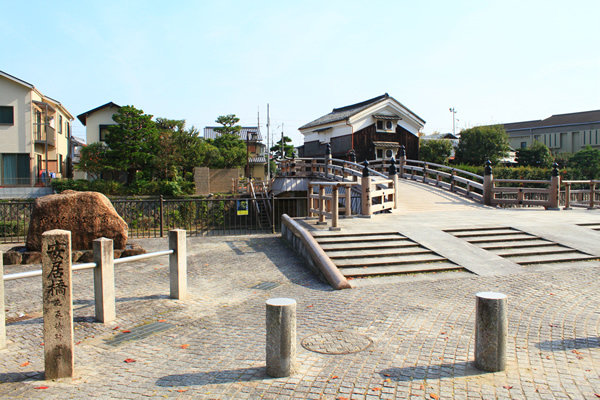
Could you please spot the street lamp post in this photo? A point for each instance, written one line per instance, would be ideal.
(453, 111)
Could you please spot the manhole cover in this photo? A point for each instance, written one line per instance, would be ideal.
(138, 333)
(265, 286)
(338, 342)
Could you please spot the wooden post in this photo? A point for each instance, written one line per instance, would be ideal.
(452, 180)
(366, 191)
(401, 160)
(57, 304)
(321, 205)
(394, 177)
(2, 310)
(104, 280)
(567, 196)
(178, 264)
(592, 195)
(327, 159)
(348, 212)
(488, 184)
(554, 194)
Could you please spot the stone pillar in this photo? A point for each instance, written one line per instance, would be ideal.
(366, 191)
(348, 213)
(178, 264)
(488, 184)
(491, 331)
(281, 337)
(104, 280)
(394, 177)
(335, 209)
(321, 207)
(2, 309)
(58, 304)
(401, 160)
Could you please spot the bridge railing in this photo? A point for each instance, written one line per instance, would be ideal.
(581, 194)
(324, 205)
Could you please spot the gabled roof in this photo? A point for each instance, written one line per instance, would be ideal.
(210, 133)
(342, 113)
(83, 117)
(577, 118)
(17, 80)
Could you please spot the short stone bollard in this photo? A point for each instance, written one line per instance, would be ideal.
(491, 331)
(281, 337)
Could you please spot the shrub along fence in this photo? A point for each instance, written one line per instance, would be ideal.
(154, 217)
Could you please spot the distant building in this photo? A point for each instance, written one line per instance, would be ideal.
(444, 136)
(374, 129)
(35, 131)
(562, 133)
(250, 135)
(97, 121)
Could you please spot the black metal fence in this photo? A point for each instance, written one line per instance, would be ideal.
(155, 217)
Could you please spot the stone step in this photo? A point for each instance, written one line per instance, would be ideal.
(358, 238)
(552, 258)
(485, 232)
(530, 251)
(459, 230)
(373, 280)
(382, 261)
(399, 269)
(489, 239)
(516, 244)
(327, 234)
(400, 243)
(342, 254)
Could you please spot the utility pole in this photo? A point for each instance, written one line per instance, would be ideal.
(282, 155)
(453, 111)
(268, 146)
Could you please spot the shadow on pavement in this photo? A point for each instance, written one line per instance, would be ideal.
(449, 370)
(216, 377)
(569, 344)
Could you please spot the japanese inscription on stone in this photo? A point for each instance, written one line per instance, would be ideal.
(58, 304)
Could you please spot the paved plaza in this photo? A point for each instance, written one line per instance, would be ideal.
(416, 336)
(396, 338)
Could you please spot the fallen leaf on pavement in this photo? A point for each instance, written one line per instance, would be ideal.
(376, 389)
(182, 390)
(25, 364)
(162, 320)
(126, 331)
(334, 377)
(115, 328)
(42, 387)
(434, 396)
(185, 346)
(129, 360)
(507, 387)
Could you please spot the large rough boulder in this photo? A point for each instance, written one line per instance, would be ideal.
(88, 215)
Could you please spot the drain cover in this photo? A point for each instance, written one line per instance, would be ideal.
(265, 286)
(338, 342)
(138, 333)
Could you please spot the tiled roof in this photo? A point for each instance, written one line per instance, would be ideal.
(210, 133)
(340, 114)
(389, 145)
(559, 119)
(386, 117)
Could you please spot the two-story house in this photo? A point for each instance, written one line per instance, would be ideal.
(374, 129)
(36, 135)
(257, 160)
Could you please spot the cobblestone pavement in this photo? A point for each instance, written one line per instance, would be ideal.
(422, 333)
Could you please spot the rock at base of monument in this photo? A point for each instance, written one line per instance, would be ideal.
(133, 250)
(12, 258)
(86, 256)
(32, 257)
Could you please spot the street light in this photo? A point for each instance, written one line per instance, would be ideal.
(453, 111)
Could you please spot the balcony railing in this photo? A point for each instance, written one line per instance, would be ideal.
(44, 133)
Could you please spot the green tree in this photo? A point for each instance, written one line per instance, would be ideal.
(536, 155)
(482, 143)
(132, 143)
(229, 123)
(232, 151)
(435, 150)
(288, 149)
(93, 159)
(587, 162)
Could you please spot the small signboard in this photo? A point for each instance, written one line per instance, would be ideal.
(242, 207)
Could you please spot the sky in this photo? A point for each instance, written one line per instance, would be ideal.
(492, 61)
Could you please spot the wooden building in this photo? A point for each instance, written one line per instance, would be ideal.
(374, 129)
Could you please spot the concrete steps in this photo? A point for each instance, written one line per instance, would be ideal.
(520, 247)
(368, 255)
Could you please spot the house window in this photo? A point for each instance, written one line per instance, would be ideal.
(379, 154)
(384, 125)
(523, 145)
(15, 169)
(60, 163)
(7, 115)
(389, 153)
(60, 124)
(103, 132)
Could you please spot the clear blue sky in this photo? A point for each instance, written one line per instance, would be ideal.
(494, 61)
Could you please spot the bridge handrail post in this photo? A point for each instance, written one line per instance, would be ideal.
(321, 204)
(393, 176)
(334, 209)
(367, 210)
(488, 184)
(327, 159)
(104, 280)
(348, 211)
(592, 194)
(401, 160)
(554, 188)
(567, 196)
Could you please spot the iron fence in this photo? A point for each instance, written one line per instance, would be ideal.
(155, 217)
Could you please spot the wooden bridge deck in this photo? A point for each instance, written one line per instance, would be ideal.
(436, 231)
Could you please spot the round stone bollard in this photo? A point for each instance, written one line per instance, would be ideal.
(491, 331)
(281, 337)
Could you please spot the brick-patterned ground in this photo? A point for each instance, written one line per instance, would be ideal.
(422, 333)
